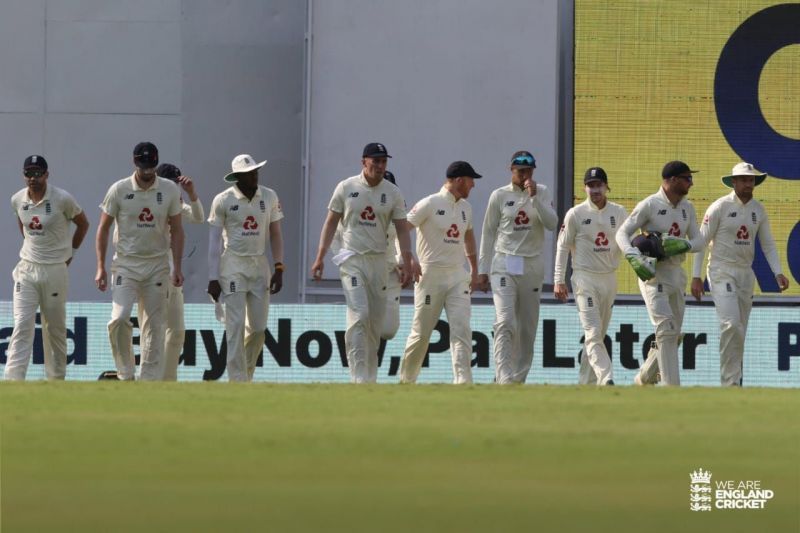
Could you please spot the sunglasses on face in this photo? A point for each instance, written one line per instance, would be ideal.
(524, 160)
(687, 178)
(34, 173)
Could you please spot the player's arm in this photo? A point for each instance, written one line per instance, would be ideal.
(565, 242)
(471, 249)
(214, 253)
(409, 268)
(21, 231)
(771, 253)
(491, 223)
(101, 248)
(544, 209)
(276, 246)
(81, 229)
(325, 238)
(706, 233)
(644, 267)
(176, 238)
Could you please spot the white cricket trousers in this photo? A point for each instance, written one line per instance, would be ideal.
(391, 319)
(516, 303)
(245, 289)
(45, 287)
(732, 289)
(150, 292)
(364, 283)
(664, 297)
(594, 297)
(175, 334)
(439, 288)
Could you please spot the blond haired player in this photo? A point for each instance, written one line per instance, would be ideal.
(176, 328)
(731, 225)
(146, 213)
(589, 234)
(366, 204)
(671, 215)
(244, 219)
(44, 214)
(444, 241)
(512, 242)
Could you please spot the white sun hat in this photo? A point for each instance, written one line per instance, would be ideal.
(242, 163)
(744, 169)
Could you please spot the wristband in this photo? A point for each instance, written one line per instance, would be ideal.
(279, 267)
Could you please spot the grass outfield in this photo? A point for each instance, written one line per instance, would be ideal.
(219, 457)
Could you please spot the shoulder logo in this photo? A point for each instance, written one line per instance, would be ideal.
(732, 214)
(586, 222)
(129, 196)
(510, 203)
(662, 211)
(353, 195)
(440, 212)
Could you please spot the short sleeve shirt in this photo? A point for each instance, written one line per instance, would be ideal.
(45, 225)
(441, 223)
(244, 221)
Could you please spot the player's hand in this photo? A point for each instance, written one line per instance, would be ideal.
(187, 185)
(697, 289)
(483, 282)
(316, 269)
(530, 186)
(177, 278)
(645, 267)
(675, 245)
(69, 261)
(474, 283)
(214, 289)
(276, 282)
(783, 282)
(416, 271)
(101, 279)
(404, 278)
(561, 292)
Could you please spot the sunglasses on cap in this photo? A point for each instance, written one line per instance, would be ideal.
(524, 160)
(34, 172)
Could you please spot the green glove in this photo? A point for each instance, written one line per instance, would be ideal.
(645, 267)
(675, 246)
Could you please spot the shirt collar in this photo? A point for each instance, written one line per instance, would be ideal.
(593, 207)
(240, 195)
(665, 198)
(136, 187)
(45, 197)
(447, 195)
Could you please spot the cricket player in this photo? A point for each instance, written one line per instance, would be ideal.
(589, 234)
(730, 227)
(669, 214)
(247, 216)
(176, 328)
(445, 239)
(391, 320)
(44, 214)
(512, 242)
(146, 212)
(365, 205)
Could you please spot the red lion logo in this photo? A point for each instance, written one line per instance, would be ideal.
(367, 213)
(674, 230)
(250, 223)
(146, 215)
(743, 234)
(521, 218)
(601, 239)
(35, 223)
(453, 232)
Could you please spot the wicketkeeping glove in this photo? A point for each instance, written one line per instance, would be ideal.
(645, 267)
(675, 245)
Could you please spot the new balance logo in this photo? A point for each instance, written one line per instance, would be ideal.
(353, 195)
(586, 222)
(440, 212)
(129, 196)
(732, 214)
(662, 211)
(510, 203)
(235, 207)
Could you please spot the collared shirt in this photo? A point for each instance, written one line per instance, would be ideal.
(441, 223)
(656, 213)
(45, 225)
(245, 222)
(589, 234)
(141, 217)
(514, 223)
(366, 213)
(731, 227)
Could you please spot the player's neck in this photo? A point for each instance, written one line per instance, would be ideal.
(673, 198)
(372, 182)
(144, 184)
(247, 191)
(601, 204)
(35, 195)
(452, 189)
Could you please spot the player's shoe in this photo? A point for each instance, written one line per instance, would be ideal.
(637, 380)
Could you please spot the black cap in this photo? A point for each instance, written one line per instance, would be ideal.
(458, 169)
(35, 161)
(168, 171)
(375, 150)
(524, 159)
(674, 168)
(145, 155)
(595, 174)
(388, 176)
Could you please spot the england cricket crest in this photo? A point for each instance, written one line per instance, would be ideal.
(700, 490)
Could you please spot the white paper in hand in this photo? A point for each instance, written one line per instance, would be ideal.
(515, 264)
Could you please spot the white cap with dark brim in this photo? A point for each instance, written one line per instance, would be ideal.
(242, 163)
(744, 169)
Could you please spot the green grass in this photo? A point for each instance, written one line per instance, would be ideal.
(220, 457)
